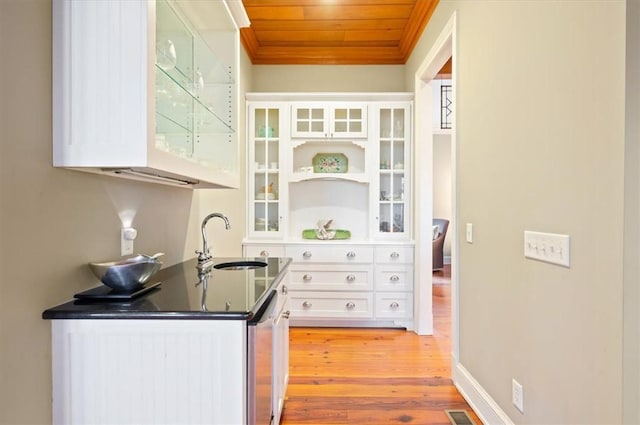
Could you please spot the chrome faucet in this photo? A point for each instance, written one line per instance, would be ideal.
(204, 258)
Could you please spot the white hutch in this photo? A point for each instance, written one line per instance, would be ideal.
(343, 157)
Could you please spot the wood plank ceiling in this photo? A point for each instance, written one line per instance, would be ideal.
(335, 32)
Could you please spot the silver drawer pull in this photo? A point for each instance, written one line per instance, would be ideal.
(285, 290)
(395, 254)
(286, 314)
(394, 305)
(264, 253)
(307, 277)
(306, 304)
(394, 278)
(351, 306)
(351, 278)
(351, 254)
(306, 254)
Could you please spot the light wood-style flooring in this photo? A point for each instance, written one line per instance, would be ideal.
(374, 376)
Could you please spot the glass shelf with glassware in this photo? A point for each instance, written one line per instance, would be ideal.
(190, 83)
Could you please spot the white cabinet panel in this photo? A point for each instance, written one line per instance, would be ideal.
(336, 253)
(394, 278)
(330, 277)
(263, 250)
(328, 120)
(344, 305)
(394, 305)
(148, 368)
(394, 254)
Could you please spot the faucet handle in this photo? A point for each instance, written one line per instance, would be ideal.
(202, 256)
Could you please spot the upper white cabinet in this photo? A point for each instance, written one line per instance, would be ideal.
(328, 120)
(361, 183)
(393, 182)
(266, 153)
(148, 89)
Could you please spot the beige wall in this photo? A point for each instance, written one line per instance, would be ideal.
(631, 375)
(540, 146)
(54, 221)
(442, 181)
(540, 143)
(328, 78)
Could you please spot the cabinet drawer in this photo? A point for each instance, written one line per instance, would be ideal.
(264, 251)
(337, 280)
(394, 279)
(394, 254)
(330, 254)
(396, 305)
(331, 304)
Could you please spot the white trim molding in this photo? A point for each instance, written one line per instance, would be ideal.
(480, 401)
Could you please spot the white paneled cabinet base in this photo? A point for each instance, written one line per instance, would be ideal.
(183, 371)
(147, 90)
(344, 157)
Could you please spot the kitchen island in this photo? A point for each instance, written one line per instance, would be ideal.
(201, 347)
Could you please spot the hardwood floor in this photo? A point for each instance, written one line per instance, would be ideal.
(374, 376)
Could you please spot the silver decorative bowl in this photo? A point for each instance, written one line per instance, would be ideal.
(129, 274)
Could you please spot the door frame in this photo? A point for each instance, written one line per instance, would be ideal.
(443, 48)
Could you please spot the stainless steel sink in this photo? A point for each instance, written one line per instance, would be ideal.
(240, 265)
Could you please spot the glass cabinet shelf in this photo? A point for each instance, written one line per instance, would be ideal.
(173, 100)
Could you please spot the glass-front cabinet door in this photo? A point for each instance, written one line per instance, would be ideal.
(194, 109)
(349, 120)
(393, 161)
(329, 120)
(265, 171)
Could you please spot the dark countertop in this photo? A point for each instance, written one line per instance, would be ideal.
(221, 295)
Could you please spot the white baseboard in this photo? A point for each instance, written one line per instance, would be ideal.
(480, 401)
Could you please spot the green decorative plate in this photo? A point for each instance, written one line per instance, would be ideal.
(340, 234)
(330, 163)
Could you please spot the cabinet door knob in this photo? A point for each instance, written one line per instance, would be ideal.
(351, 278)
(307, 277)
(306, 304)
(286, 314)
(285, 290)
(306, 254)
(394, 278)
(264, 253)
(395, 255)
(351, 254)
(350, 305)
(394, 305)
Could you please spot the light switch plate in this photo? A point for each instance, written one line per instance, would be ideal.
(469, 233)
(548, 247)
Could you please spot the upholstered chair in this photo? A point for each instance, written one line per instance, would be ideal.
(438, 242)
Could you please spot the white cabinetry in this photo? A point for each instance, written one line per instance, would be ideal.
(147, 90)
(394, 283)
(160, 371)
(393, 183)
(364, 186)
(281, 349)
(266, 152)
(328, 120)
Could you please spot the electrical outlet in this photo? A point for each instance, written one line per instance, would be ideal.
(517, 395)
(127, 235)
